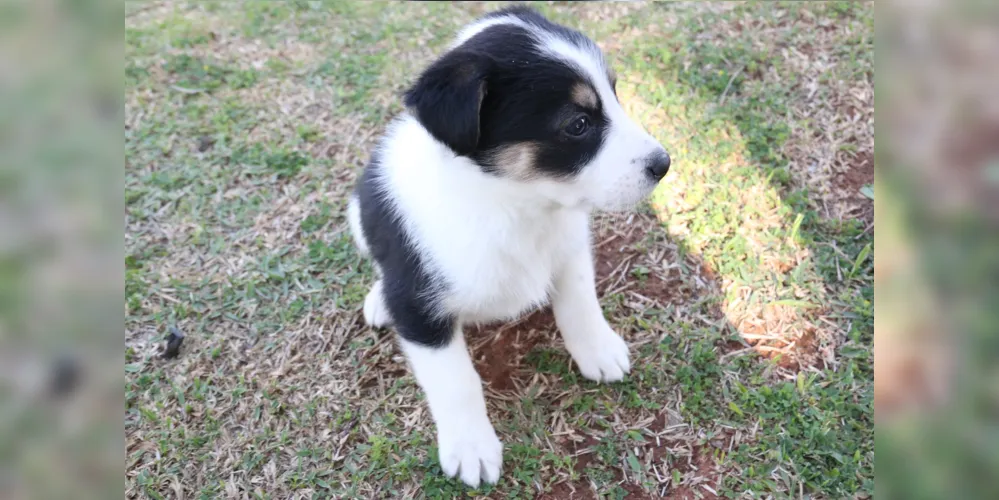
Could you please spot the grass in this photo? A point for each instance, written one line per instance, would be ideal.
(744, 288)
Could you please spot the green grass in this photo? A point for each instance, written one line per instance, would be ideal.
(747, 299)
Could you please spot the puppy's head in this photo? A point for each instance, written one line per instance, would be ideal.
(533, 101)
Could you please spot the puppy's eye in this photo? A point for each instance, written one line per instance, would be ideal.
(578, 127)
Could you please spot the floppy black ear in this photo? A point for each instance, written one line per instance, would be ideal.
(447, 98)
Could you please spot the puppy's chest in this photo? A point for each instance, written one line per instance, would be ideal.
(509, 273)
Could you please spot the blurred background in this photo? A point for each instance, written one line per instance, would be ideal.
(61, 254)
(936, 262)
(937, 258)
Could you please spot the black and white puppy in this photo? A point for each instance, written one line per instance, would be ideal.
(475, 208)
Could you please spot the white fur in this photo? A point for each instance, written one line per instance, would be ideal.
(376, 313)
(484, 24)
(354, 220)
(495, 242)
(600, 354)
(466, 441)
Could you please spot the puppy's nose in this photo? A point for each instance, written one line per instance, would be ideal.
(657, 165)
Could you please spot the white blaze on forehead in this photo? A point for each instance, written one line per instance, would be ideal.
(478, 27)
(588, 60)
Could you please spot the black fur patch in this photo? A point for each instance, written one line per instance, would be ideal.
(498, 90)
(408, 287)
(447, 97)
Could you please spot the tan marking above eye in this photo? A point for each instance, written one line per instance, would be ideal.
(584, 95)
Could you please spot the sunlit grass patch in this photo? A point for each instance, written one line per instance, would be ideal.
(730, 198)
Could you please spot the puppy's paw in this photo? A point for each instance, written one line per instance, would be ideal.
(376, 313)
(471, 451)
(601, 355)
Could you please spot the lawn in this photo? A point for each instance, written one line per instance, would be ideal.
(744, 287)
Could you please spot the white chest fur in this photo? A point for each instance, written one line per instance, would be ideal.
(507, 271)
(495, 244)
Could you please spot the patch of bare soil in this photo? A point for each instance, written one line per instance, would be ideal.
(576, 490)
(580, 488)
(707, 471)
(694, 462)
(499, 356)
(627, 260)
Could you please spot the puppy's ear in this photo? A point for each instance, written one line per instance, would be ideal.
(447, 99)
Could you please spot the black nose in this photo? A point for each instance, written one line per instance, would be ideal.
(657, 166)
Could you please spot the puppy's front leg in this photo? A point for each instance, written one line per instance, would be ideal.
(599, 352)
(467, 442)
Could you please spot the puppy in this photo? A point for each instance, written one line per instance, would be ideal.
(475, 208)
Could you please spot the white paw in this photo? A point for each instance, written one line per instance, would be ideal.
(471, 451)
(602, 355)
(376, 313)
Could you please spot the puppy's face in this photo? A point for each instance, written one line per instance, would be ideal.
(532, 101)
